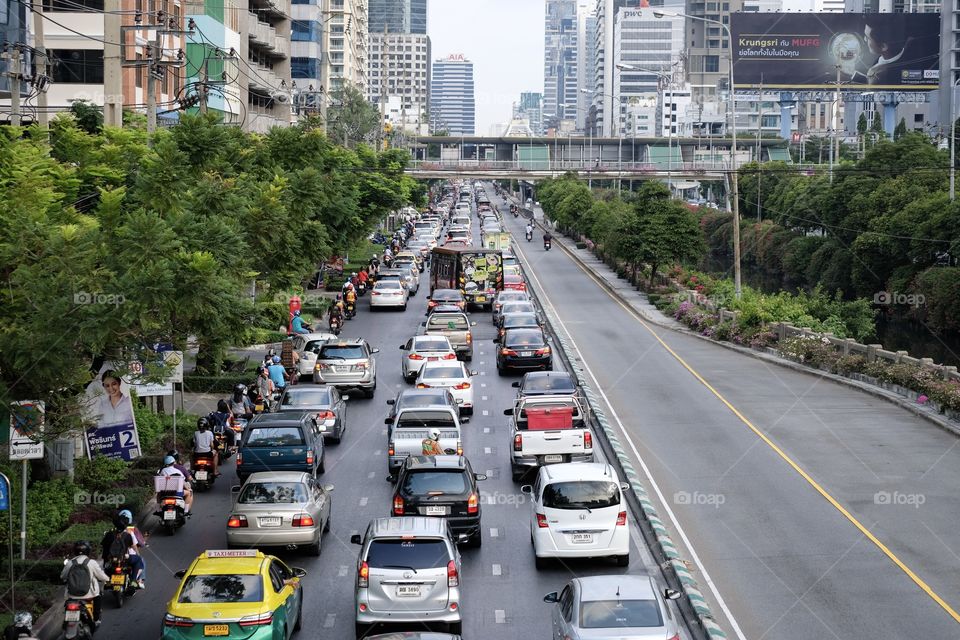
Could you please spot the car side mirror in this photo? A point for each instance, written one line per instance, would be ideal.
(387, 421)
(624, 486)
(479, 476)
(377, 350)
(527, 488)
(464, 419)
(328, 487)
(473, 324)
(552, 597)
(181, 573)
(672, 594)
(515, 384)
(344, 398)
(235, 489)
(356, 539)
(403, 347)
(392, 401)
(474, 373)
(508, 412)
(298, 572)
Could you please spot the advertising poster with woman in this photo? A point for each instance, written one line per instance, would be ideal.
(110, 409)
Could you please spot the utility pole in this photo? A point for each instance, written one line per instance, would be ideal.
(40, 63)
(204, 78)
(383, 89)
(15, 72)
(154, 69)
(112, 64)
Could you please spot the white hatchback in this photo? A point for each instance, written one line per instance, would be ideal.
(452, 375)
(579, 511)
(423, 349)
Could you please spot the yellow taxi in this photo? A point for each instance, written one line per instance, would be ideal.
(235, 594)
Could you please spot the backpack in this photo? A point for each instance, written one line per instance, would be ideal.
(118, 548)
(78, 579)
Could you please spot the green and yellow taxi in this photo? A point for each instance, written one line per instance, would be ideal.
(236, 594)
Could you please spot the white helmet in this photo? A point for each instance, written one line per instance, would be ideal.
(434, 434)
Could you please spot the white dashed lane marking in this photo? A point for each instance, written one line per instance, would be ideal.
(494, 532)
(500, 616)
(486, 429)
(485, 412)
(342, 572)
(487, 450)
(363, 501)
(330, 620)
(496, 569)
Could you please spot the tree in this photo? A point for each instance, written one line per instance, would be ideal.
(88, 115)
(877, 127)
(862, 123)
(351, 118)
(901, 129)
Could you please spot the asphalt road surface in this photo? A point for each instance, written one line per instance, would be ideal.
(502, 589)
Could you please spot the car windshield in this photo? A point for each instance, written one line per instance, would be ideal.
(346, 352)
(274, 437)
(425, 483)
(620, 614)
(456, 322)
(442, 419)
(432, 345)
(581, 494)
(548, 383)
(523, 338)
(216, 589)
(306, 397)
(408, 554)
(442, 373)
(273, 493)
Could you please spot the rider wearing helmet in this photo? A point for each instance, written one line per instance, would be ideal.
(240, 403)
(21, 627)
(277, 373)
(203, 443)
(298, 325)
(431, 444)
(135, 541)
(81, 560)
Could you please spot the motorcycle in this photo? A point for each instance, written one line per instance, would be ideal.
(529, 236)
(201, 466)
(121, 584)
(546, 243)
(171, 508)
(516, 214)
(350, 310)
(222, 441)
(335, 325)
(78, 619)
(361, 287)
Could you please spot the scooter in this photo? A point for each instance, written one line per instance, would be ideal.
(121, 584)
(201, 467)
(335, 325)
(546, 243)
(171, 507)
(78, 619)
(516, 214)
(350, 310)
(529, 236)
(361, 287)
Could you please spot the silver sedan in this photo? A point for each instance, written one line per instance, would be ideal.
(280, 509)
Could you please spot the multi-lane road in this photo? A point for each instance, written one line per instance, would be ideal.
(807, 510)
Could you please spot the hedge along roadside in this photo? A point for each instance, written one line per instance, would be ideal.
(694, 607)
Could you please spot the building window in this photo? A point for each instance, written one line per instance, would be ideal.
(918, 118)
(305, 31)
(304, 68)
(73, 6)
(138, 71)
(711, 64)
(77, 66)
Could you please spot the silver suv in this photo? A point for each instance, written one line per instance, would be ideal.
(408, 571)
(347, 364)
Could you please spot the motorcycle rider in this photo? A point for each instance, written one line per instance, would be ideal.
(430, 445)
(21, 628)
(374, 264)
(73, 575)
(265, 387)
(221, 419)
(188, 478)
(203, 444)
(137, 542)
(335, 311)
(529, 230)
(277, 373)
(351, 300)
(240, 404)
(547, 239)
(298, 325)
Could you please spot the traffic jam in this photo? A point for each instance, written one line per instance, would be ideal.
(409, 568)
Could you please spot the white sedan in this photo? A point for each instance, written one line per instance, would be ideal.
(423, 349)
(307, 346)
(388, 293)
(452, 375)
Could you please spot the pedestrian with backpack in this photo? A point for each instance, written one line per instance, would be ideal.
(83, 576)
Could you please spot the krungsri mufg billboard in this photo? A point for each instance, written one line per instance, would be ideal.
(806, 50)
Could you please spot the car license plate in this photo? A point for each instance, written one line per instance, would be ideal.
(71, 616)
(200, 475)
(270, 522)
(481, 298)
(526, 354)
(553, 458)
(117, 579)
(170, 515)
(408, 591)
(435, 511)
(216, 629)
(582, 538)
(432, 359)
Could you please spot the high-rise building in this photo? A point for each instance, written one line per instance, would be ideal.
(828, 6)
(560, 60)
(530, 109)
(343, 45)
(216, 32)
(452, 102)
(267, 85)
(12, 30)
(398, 16)
(306, 41)
(400, 68)
(586, 64)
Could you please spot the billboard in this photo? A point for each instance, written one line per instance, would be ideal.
(882, 51)
(110, 409)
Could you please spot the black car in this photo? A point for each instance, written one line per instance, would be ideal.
(446, 297)
(442, 487)
(524, 349)
(517, 321)
(326, 402)
(546, 383)
(420, 398)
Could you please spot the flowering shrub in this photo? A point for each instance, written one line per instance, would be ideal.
(810, 350)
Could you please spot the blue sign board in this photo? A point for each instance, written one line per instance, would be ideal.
(118, 441)
(4, 494)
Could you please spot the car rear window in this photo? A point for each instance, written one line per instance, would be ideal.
(423, 399)
(388, 284)
(347, 352)
(548, 383)
(581, 494)
(306, 397)
(520, 320)
(448, 322)
(437, 483)
(273, 493)
(443, 373)
(216, 589)
(524, 339)
(404, 554)
(314, 346)
(446, 294)
(620, 614)
(274, 437)
(432, 345)
(421, 419)
(518, 307)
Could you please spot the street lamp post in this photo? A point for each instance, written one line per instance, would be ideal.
(734, 182)
(953, 135)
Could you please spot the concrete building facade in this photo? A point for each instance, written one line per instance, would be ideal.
(560, 60)
(452, 101)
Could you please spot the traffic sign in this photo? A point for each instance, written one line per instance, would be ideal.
(26, 430)
(4, 493)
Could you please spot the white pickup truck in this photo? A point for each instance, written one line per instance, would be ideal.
(412, 425)
(548, 430)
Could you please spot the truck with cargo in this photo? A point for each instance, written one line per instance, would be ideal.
(477, 273)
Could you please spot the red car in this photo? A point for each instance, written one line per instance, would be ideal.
(514, 283)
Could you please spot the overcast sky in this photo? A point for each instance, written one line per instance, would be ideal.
(503, 39)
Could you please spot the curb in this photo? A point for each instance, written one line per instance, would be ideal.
(936, 419)
(656, 536)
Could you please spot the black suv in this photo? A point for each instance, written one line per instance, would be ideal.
(442, 487)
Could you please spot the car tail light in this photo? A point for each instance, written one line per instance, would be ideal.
(622, 519)
(258, 620)
(237, 522)
(453, 578)
(507, 352)
(374, 293)
(309, 456)
(239, 458)
(303, 520)
(473, 504)
(169, 620)
(587, 440)
(543, 352)
(542, 521)
(463, 385)
(674, 637)
(415, 356)
(391, 449)
(363, 575)
(423, 386)
(360, 366)
(459, 448)
(321, 366)
(469, 337)
(518, 442)
(450, 356)
(397, 506)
